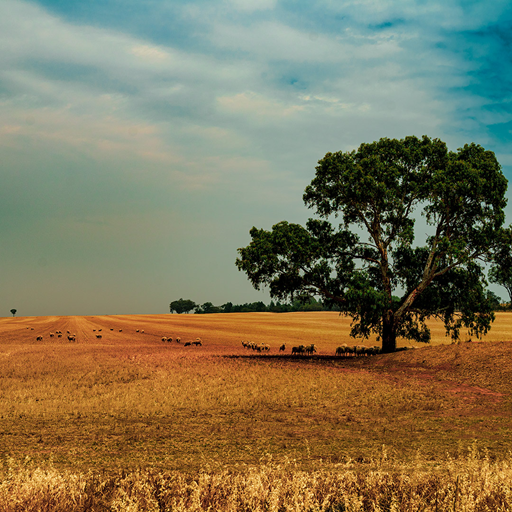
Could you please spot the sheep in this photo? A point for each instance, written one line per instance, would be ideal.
(100, 330)
(59, 335)
(164, 338)
(39, 338)
(111, 329)
(52, 335)
(94, 330)
(341, 350)
(188, 343)
(120, 330)
(169, 339)
(298, 350)
(282, 348)
(98, 336)
(310, 349)
(136, 330)
(178, 340)
(197, 343)
(142, 331)
(360, 350)
(71, 337)
(351, 350)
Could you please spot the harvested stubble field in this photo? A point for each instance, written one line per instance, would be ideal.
(128, 422)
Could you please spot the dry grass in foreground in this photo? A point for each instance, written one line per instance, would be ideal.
(467, 484)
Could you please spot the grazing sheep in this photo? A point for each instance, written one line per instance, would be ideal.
(39, 338)
(120, 330)
(188, 343)
(111, 329)
(142, 330)
(298, 350)
(372, 351)
(94, 330)
(164, 339)
(169, 339)
(350, 351)
(360, 350)
(59, 335)
(100, 330)
(98, 336)
(341, 350)
(136, 330)
(197, 343)
(68, 332)
(71, 337)
(310, 349)
(178, 340)
(282, 348)
(52, 335)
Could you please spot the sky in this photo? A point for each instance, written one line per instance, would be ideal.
(141, 140)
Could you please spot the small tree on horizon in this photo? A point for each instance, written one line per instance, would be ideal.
(182, 306)
(13, 311)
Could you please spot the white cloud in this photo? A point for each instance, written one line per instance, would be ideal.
(277, 41)
(257, 105)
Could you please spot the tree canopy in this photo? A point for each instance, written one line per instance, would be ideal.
(182, 306)
(368, 266)
(13, 311)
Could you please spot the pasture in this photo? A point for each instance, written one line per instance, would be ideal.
(128, 402)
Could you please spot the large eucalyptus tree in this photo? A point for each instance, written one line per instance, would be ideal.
(373, 266)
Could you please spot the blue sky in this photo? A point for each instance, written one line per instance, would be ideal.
(140, 141)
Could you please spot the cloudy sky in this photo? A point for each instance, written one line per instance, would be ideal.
(141, 140)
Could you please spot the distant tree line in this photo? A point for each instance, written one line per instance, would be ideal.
(308, 304)
(301, 304)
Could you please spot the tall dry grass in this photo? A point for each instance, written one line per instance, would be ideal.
(470, 483)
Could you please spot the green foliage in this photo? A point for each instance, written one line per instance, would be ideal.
(182, 306)
(501, 268)
(207, 307)
(368, 266)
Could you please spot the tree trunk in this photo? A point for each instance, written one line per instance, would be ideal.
(388, 333)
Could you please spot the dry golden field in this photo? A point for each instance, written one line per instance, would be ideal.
(126, 414)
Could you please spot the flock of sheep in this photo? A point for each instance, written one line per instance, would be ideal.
(262, 347)
(265, 347)
(342, 350)
(304, 349)
(198, 342)
(71, 337)
(357, 350)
